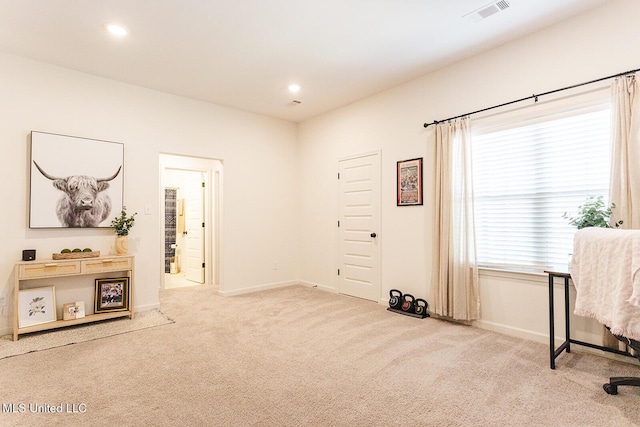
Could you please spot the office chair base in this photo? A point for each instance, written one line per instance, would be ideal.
(612, 386)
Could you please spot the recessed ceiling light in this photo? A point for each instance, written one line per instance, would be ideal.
(294, 88)
(117, 30)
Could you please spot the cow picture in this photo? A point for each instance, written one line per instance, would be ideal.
(84, 202)
(75, 182)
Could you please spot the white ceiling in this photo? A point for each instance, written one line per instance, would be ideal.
(244, 53)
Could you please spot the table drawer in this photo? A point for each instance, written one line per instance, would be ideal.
(106, 264)
(48, 269)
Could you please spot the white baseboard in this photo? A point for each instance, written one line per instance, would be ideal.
(276, 285)
(258, 288)
(512, 331)
(319, 286)
(147, 307)
(544, 339)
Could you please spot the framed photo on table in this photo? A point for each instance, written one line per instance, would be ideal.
(112, 295)
(73, 310)
(36, 306)
(409, 182)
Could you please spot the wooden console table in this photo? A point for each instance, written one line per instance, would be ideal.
(566, 345)
(60, 269)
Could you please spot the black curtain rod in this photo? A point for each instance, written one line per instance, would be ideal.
(535, 97)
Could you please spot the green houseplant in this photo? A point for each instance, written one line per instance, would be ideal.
(593, 213)
(122, 225)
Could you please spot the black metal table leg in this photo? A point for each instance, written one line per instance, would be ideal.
(552, 343)
(567, 313)
(566, 345)
(553, 351)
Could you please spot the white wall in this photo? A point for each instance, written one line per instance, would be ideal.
(598, 43)
(259, 156)
(280, 189)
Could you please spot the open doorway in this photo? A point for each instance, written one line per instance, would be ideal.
(190, 203)
(184, 228)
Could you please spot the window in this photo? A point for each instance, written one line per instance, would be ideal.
(530, 167)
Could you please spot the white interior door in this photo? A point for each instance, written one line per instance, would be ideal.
(359, 223)
(194, 227)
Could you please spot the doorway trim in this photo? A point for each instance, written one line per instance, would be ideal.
(212, 170)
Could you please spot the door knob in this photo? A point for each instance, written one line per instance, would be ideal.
(373, 234)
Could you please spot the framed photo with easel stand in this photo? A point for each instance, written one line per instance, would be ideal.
(36, 306)
(112, 295)
(73, 310)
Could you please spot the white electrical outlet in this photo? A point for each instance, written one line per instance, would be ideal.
(3, 300)
(275, 265)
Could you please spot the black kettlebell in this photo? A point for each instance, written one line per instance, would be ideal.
(420, 307)
(395, 299)
(407, 303)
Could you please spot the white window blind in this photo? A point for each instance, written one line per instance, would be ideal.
(529, 168)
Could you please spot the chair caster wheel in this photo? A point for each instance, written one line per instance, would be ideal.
(610, 389)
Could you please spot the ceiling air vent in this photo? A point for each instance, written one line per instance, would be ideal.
(487, 10)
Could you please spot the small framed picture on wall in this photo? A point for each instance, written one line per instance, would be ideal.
(409, 182)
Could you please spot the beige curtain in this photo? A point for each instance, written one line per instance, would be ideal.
(625, 167)
(454, 278)
(624, 189)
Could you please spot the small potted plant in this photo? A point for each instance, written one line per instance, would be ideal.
(122, 225)
(593, 213)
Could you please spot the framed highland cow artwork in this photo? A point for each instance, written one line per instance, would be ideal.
(74, 182)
